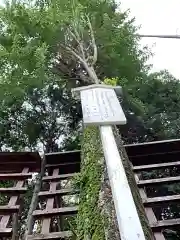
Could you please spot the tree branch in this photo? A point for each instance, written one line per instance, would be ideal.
(93, 42)
(70, 50)
(78, 40)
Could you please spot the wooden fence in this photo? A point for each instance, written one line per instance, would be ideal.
(51, 214)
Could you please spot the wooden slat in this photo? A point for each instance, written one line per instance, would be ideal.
(55, 211)
(161, 200)
(154, 166)
(15, 176)
(61, 164)
(5, 232)
(158, 181)
(165, 223)
(13, 190)
(159, 236)
(57, 193)
(156, 147)
(18, 166)
(53, 235)
(9, 209)
(63, 157)
(58, 177)
(16, 161)
(64, 168)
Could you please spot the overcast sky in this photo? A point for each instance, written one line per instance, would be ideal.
(159, 17)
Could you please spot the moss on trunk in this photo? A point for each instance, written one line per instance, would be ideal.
(96, 219)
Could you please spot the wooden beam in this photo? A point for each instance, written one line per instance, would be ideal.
(165, 223)
(161, 200)
(59, 177)
(13, 190)
(55, 212)
(15, 176)
(159, 236)
(5, 232)
(158, 181)
(154, 166)
(62, 164)
(8, 209)
(58, 192)
(53, 235)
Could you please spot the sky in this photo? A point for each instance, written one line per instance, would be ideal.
(159, 17)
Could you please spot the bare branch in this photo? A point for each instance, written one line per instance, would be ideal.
(70, 50)
(78, 40)
(93, 42)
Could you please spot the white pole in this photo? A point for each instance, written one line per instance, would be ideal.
(128, 220)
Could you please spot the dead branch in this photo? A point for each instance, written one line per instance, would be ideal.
(93, 42)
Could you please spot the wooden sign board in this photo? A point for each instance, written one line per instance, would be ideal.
(101, 106)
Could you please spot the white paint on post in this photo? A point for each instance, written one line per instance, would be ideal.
(127, 216)
(101, 107)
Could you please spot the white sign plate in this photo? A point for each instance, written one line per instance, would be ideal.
(101, 106)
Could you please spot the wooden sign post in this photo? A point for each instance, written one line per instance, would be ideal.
(101, 107)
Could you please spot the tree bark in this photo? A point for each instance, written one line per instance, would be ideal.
(106, 204)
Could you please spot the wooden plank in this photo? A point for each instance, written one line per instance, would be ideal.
(161, 200)
(25, 157)
(15, 176)
(5, 232)
(154, 166)
(58, 177)
(55, 212)
(63, 157)
(165, 223)
(58, 192)
(13, 190)
(18, 166)
(155, 147)
(15, 163)
(65, 167)
(158, 181)
(8, 209)
(159, 236)
(62, 164)
(53, 235)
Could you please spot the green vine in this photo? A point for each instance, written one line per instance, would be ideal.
(89, 223)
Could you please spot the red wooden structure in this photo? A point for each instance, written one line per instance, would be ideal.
(60, 167)
(163, 157)
(51, 213)
(15, 169)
